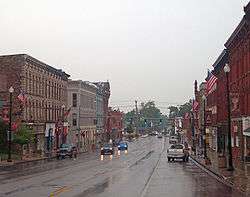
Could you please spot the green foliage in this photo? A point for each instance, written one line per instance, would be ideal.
(147, 111)
(130, 129)
(181, 110)
(129, 115)
(24, 135)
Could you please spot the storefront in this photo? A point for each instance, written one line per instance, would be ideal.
(246, 136)
(49, 137)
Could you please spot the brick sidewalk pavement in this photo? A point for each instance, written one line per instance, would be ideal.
(239, 178)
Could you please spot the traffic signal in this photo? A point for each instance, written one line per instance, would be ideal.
(160, 121)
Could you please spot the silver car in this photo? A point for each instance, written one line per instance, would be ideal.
(178, 151)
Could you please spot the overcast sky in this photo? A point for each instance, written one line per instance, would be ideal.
(147, 49)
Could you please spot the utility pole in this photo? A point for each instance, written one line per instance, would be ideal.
(136, 120)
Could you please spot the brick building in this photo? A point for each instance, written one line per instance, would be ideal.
(82, 118)
(238, 46)
(115, 124)
(102, 102)
(45, 90)
(216, 106)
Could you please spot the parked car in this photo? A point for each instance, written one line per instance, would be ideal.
(144, 136)
(173, 139)
(107, 149)
(66, 150)
(178, 151)
(159, 135)
(122, 146)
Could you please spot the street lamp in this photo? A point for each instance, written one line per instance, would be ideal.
(11, 90)
(62, 129)
(230, 158)
(204, 126)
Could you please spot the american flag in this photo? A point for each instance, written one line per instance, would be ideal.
(67, 112)
(22, 97)
(211, 80)
(195, 105)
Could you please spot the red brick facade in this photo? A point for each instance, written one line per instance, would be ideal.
(45, 90)
(115, 123)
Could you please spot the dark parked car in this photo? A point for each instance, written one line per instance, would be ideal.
(66, 150)
(107, 149)
(122, 146)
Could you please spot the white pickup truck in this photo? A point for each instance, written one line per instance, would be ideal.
(178, 151)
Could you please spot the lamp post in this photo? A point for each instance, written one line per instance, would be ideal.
(11, 90)
(62, 129)
(230, 158)
(204, 126)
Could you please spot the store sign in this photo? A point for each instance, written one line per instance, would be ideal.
(246, 126)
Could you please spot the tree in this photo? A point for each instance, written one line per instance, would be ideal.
(130, 129)
(173, 111)
(185, 108)
(149, 112)
(181, 110)
(23, 136)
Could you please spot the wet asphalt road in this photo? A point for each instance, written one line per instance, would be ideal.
(143, 172)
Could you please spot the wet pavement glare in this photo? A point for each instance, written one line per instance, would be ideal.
(142, 171)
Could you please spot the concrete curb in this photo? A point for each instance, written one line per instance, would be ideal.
(216, 175)
(35, 161)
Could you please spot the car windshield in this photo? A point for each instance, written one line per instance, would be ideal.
(176, 146)
(65, 146)
(107, 146)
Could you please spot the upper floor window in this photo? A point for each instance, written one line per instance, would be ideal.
(74, 100)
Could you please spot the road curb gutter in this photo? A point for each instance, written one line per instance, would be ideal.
(35, 161)
(216, 175)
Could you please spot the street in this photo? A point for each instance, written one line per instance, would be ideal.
(143, 171)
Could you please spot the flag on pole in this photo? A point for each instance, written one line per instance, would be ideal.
(22, 97)
(211, 81)
(67, 112)
(195, 105)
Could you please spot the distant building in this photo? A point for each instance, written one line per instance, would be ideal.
(82, 118)
(44, 88)
(115, 124)
(102, 103)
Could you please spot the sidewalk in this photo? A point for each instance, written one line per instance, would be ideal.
(238, 179)
(31, 160)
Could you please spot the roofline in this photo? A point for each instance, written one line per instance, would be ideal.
(235, 32)
(221, 56)
(36, 61)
